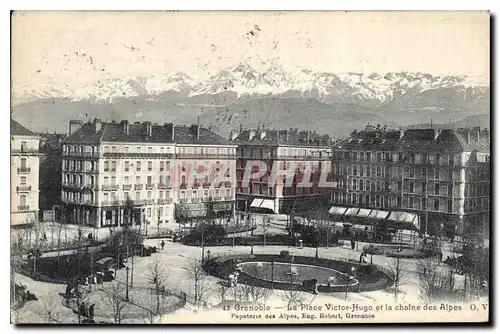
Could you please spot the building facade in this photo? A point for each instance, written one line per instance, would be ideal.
(24, 175)
(109, 167)
(50, 171)
(304, 156)
(443, 176)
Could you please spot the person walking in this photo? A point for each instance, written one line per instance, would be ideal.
(162, 244)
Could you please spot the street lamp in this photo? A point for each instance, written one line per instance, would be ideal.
(126, 291)
(272, 275)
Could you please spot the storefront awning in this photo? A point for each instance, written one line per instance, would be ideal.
(407, 219)
(263, 204)
(219, 207)
(351, 211)
(363, 212)
(267, 204)
(256, 202)
(378, 214)
(337, 210)
(190, 210)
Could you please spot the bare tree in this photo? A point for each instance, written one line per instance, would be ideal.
(221, 291)
(435, 284)
(158, 275)
(293, 297)
(397, 267)
(114, 300)
(251, 293)
(195, 273)
(49, 311)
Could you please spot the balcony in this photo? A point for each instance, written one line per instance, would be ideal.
(23, 207)
(109, 187)
(163, 201)
(126, 186)
(139, 202)
(150, 201)
(23, 188)
(110, 203)
(164, 186)
(206, 185)
(205, 156)
(195, 200)
(217, 198)
(183, 200)
(23, 170)
(119, 155)
(149, 186)
(183, 185)
(82, 154)
(196, 185)
(137, 186)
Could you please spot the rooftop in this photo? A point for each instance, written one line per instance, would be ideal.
(17, 129)
(274, 137)
(95, 132)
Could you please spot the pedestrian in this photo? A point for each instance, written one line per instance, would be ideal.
(44, 236)
(91, 311)
(353, 244)
(162, 244)
(331, 280)
(440, 256)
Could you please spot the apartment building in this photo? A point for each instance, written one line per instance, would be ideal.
(305, 154)
(108, 165)
(439, 177)
(24, 175)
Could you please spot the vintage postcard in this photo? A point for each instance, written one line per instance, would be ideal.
(250, 167)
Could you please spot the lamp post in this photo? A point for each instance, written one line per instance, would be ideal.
(208, 254)
(126, 286)
(272, 275)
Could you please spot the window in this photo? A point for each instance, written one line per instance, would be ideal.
(127, 180)
(150, 194)
(127, 166)
(113, 180)
(106, 166)
(106, 180)
(424, 203)
(399, 185)
(150, 150)
(450, 159)
(126, 195)
(368, 156)
(436, 188)
(113, 149)
(436, 205)
(368, 170)
(424, 187)
(410, 202)
(137, 195)
(424, 173)
(438, 158)
(150, 180)
(113, 166)
(379, 156)
(150, 166)
(23, 146)
(162, 165)
(398, 201)
(127, 149)
(450, 206)
(137, 180)
(160, 211)
(387, 157)
(412, 172)
(22, 201)
(361, 185)
(138, 166)
(149, 212)
(23, 180)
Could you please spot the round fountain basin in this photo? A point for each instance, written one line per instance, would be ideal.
(295, 273)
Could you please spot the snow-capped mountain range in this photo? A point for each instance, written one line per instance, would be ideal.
(242, 82)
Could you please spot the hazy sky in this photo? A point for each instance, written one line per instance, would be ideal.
(78, 49)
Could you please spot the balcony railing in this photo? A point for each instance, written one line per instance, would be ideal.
(137, 155)
(127, 186)
(150, 201)
(163, 201)
(23, 170)
(183, 185)
(149, 186)
(206, 185)
(23, 188)
(23, 207)
(137, 186)
(110, 203)
(82, 154)
(206, 156)
(164, 186)
(109, 187)
(195, 200)
(183, 200)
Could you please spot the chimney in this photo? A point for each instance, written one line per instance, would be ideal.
(170, 128)
(97, 125)
(308, 136)
(125, 127)
(251, 134)
(195, 129)
(74, 125)
(437, 132)
(147, 128)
